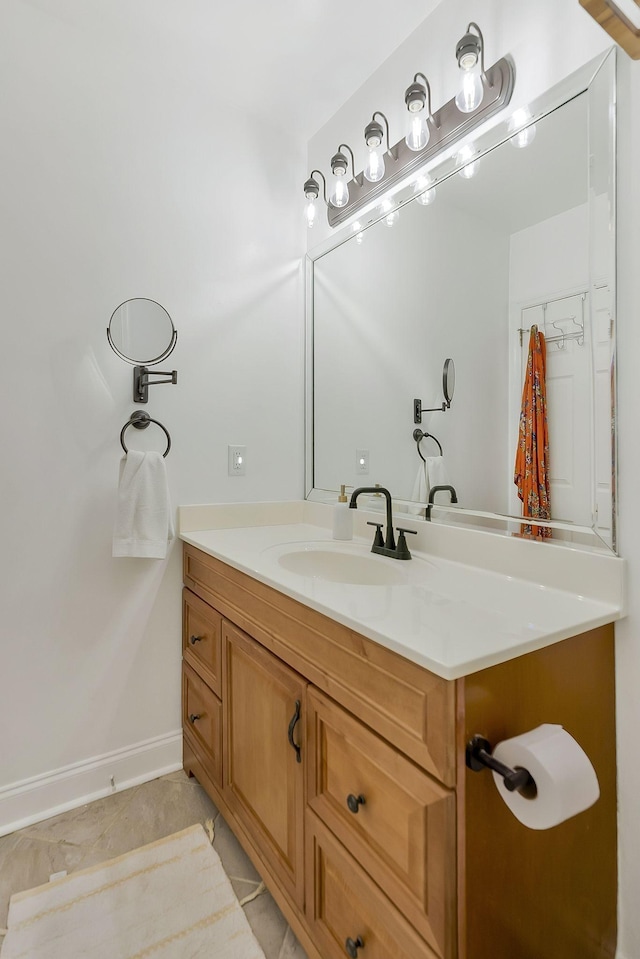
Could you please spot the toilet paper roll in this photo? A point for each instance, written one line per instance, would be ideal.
(566, 782)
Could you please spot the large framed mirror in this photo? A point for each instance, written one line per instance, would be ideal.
(528, 240)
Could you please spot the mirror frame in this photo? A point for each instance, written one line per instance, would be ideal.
(143, 362)
(501, 523)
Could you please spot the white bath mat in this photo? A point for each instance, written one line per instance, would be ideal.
(168, 900)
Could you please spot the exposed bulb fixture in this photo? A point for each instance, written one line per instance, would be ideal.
(374, 137)
(426, 192)
(312, 192)
(427, 138)
(470, 57)
(523, 135)
(339, 195)
(464, 158)
(416, 97)
(389, 208)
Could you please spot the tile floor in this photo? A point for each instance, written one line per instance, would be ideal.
(124, 821)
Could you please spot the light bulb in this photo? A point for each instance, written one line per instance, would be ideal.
(469, 97)
(465, 154)
(425, 190)
(374, 170)
(310, 213)
(417, 135)
(392, 213)
(521, 137)
(359, 238)
(340, 194)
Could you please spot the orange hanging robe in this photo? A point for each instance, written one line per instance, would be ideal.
(532, 456)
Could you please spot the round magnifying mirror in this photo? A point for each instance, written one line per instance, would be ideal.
(448, 380)
(141, 332)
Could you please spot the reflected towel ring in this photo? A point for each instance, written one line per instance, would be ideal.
(140, 421)
(419, 435)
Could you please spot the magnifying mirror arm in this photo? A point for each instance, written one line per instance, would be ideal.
(142, 381)
(419, 409)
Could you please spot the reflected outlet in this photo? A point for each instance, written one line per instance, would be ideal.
(237, 460)
(362, 462)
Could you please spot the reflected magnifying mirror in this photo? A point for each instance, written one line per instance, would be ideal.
(448, 380)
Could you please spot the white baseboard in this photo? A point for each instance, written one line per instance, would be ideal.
(41, 797)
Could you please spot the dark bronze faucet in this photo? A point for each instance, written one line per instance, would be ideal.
(432, 494)
(385, 546)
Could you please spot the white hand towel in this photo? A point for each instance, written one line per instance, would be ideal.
(433, 472)
(420, 490)
(144, 520)
(437, 471)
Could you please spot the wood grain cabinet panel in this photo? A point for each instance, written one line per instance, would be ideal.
(397, 821)
(202, 718)
(344, 904)
(264, 761)
(202, 639)
(405, 703)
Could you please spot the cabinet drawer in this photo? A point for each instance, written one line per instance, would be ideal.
(201, 639)
(396, 820)
(343, 903)
(202, 717)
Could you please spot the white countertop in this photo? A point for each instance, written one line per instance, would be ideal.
(451, 617)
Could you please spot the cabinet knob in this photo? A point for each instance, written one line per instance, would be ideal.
(354, 803)
(195, 639)
(193, 717)
(352, 946)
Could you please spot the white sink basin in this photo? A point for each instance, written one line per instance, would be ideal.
(340, 564)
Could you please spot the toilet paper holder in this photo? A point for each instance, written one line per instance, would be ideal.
(478, 756)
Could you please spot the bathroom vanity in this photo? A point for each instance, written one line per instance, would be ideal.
(337, 754)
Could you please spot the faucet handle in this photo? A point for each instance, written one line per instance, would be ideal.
(402, 550)
(378, 538)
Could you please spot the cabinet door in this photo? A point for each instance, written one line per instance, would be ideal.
(264, 759)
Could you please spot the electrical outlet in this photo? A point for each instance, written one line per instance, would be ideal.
(237, 460)
(362, 462)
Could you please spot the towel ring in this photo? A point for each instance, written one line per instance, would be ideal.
(419, 435)
(140, 421)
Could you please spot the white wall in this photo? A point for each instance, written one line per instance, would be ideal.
(550, 258)
(548, 40)
(127, 170)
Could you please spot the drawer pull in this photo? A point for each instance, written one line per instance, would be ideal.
(292, 726)
(193, 717)
(352, 946)
(195, 639)
(354, 803)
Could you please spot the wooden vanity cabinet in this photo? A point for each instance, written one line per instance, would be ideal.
(340, 767)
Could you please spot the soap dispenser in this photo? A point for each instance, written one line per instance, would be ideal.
(342, 517)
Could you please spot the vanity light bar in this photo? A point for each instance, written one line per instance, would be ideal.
(449, 126)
